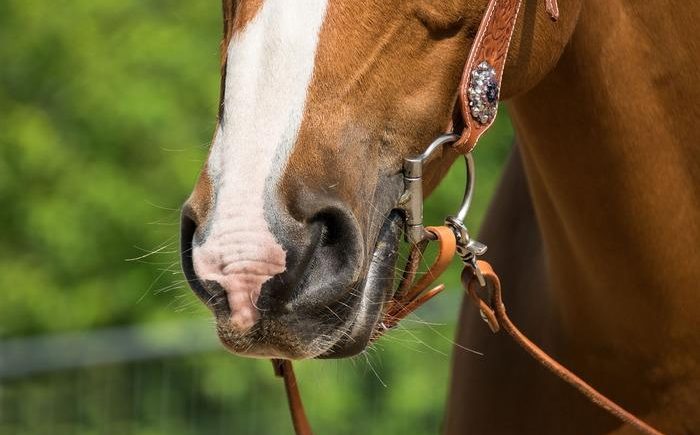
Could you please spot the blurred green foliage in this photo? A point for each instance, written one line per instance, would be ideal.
(106, 109)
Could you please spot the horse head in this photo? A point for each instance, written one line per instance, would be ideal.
(290, 235)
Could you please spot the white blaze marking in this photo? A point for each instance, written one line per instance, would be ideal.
(269, 68)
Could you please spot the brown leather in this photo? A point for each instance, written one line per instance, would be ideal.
(491, 44)
(415, 255)
(494, 312)
(283, 369)
(406, 302)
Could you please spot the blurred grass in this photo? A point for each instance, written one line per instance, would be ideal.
(107, 108)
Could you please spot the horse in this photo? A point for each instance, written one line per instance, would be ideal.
(290, 233)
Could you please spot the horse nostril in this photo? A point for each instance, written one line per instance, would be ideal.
(188, 227)
(331, 227)
(329, 263)
(209, 292)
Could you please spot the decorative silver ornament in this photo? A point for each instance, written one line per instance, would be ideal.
(483, 93)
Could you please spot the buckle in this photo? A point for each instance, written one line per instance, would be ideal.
(468, 249)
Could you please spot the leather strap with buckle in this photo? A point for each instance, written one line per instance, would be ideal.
(490, 50)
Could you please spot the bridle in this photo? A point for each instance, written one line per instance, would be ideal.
(475, 112)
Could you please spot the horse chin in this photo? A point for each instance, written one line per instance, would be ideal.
(377, 288)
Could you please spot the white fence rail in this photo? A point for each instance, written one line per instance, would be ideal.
(27, 356)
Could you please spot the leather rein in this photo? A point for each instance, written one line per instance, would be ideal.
(476, 108)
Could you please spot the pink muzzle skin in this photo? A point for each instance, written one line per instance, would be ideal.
(240, 262)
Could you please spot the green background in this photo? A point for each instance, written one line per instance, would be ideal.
(106, 110)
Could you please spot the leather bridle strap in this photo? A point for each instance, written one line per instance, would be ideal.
(479, 89)
(494, 313)
(283, 369)
(407, 301)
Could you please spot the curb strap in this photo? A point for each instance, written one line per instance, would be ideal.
(493, 311)
(405, 302)
(480, 87)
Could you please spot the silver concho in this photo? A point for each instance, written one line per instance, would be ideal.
(483, 93)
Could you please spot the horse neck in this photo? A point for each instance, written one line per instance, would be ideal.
(610, 150)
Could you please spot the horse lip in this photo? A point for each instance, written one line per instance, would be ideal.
(377, 286)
